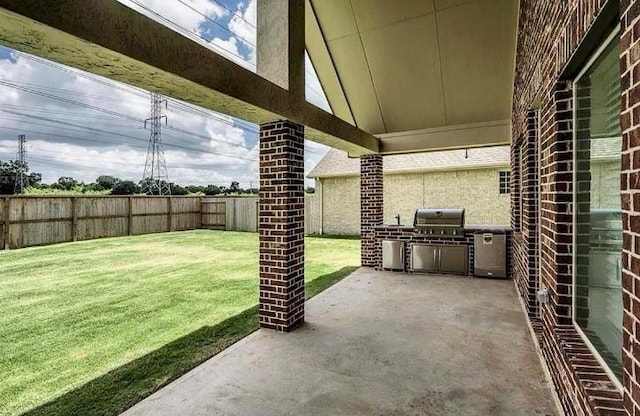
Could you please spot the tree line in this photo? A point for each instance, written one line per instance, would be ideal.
(107, 185)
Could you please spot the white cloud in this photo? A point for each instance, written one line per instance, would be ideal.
(86, 164)
(229, 49)
(244, 24)
(181, 14)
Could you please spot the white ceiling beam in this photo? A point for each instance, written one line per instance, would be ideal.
(464, 136)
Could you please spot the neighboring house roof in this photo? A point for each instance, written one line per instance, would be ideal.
(337, 163)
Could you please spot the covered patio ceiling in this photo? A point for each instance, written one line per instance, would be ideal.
(401, 76)
(418, 74)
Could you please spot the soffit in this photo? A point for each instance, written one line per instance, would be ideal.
(415, 64)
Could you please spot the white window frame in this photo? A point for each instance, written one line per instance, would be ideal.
(613, 36)
(507, 175)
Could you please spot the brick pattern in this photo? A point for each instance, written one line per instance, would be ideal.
(630, 185)
(407, 236)
(281, 225)
(371, 209)
(476, 190)
(585, 388)
(549, 33)
(556, 195)
(525, 159)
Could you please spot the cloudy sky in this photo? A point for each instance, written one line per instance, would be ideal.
(83, 126)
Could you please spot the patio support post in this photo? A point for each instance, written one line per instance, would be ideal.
(371, 209)
(281, 225)
(280, 59)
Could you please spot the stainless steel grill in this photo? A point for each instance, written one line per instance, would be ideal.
(447, 223)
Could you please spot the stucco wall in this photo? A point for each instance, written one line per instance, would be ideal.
(475, 190)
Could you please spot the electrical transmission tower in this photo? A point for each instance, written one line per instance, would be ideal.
(155, 180)
(22, 179)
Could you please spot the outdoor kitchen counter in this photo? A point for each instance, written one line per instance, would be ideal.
(405, 233)
(487, 228)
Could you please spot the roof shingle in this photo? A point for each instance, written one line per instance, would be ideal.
(337, 163)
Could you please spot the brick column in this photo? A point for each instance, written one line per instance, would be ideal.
(630, 188)
(371, 210)
(557, 209)
(281, 225)
(524, 219)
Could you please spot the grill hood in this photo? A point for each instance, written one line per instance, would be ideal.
(439, 217)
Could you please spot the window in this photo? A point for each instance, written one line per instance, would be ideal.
(597, 294)
(505, 182)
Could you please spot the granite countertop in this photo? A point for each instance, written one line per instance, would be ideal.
(487, 227)
(468, 227)
(400, 227)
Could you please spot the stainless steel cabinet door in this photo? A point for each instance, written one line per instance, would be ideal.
(392, 255)
(424, 257)
(453, 259)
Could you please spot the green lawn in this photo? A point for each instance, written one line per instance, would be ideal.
(90, 328)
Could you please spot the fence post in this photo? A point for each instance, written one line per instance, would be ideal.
(169, 213)
(7, 215)
(74, 219)
(130, 215)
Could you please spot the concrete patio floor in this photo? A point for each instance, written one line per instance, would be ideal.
(378, 343)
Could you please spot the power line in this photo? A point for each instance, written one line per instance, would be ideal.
(115, 113)
(76, 93)
(188, 33)
(235, 13)
(215, 22)
(81, 74)
(110, 134)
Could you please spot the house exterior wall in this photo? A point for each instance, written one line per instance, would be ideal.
(340, 198)
(475, 190)
(553, 37)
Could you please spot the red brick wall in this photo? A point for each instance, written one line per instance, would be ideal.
(550, 40)
(630, 183)
(371, 209)
(281, 225)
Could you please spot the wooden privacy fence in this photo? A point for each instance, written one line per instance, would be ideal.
(38, 220)
(27, 221)
(241, 213)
